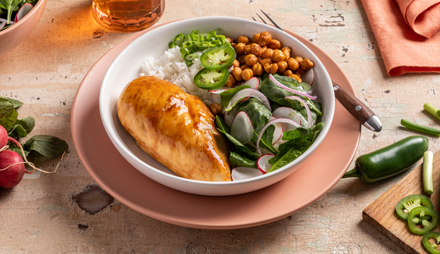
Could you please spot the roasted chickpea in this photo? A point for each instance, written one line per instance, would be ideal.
(299, 59)
(296, 77)
(236, 72)
(274, 44)
(287, 73)
(250, 59)
(293, 64)
(239, 49)
(256, 49)
(247, 49)
(244, 67)
(233, 44)
(265, 38)
(286, 51)
(240, 59)
(236, 63)
(282, 66)
(264, 61)
(271, 68)
(247, 74)
(243, 39)
(231, 81)
(306, 64)
(229, 39)
(257, 69)
(215, 108)
(256, 38)
(277, 56)
(299, 72)
(267, 53)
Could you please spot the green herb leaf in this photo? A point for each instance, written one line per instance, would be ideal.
(297, 133)
(288, 157)
(42, 147)
(14, 102)
(242, 161)
(17, 131)
(8, 115)
(28, 123)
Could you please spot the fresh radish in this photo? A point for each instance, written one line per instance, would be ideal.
(272, 78)
(25, 9)
(286, 112)
(229, 116)
(263, 162)
(278, 132)
(247, 93)
(242, 128)
(14, 169)
(221, 89)
(271, 122)
(309, 113)
(253, 83)
(3, 138)
(308, 77)
(216, 98)
(243, 173)
(2, 24)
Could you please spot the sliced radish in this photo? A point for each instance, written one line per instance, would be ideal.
(278, 132)
(310, 91)
(309, 113)
(221, 89)
(253, 83)
(263, 162)
(290, 89)
(243, 173)
(245, 94)
(216, 98)
(242, 128)
(286, 112)
(278, 120)
(229, 116)
(2, 24)
(308, 77)
(25, 9)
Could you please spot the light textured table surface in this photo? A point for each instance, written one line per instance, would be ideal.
(41, 215)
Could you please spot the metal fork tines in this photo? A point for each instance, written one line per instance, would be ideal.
(271, 20)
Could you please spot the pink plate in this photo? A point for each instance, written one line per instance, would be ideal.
(114, 174)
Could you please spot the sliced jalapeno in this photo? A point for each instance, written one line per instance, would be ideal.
(211, 79)
(430, 246)
(218, 58)
(406, 204)
(416, 215)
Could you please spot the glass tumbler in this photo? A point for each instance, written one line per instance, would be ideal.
(128, 15)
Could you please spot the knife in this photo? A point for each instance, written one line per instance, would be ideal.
(358, 109)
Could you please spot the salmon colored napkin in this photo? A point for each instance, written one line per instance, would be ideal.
(403, 49)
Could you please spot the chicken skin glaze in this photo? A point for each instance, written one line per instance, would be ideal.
(175, 128)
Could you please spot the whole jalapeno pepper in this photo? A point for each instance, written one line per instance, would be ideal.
(390, 160)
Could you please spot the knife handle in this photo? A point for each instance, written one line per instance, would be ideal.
(358, 109)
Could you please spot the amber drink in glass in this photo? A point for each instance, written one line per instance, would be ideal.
(128, 15)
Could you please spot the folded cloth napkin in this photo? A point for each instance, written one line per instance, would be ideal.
(402, 49)
(423, 16)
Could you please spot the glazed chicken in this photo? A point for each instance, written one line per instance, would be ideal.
(175, 128)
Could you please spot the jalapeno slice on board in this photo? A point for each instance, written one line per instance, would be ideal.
(430, 246)
(218, 58)
(211, 79)
(406, 204)
(416, 215)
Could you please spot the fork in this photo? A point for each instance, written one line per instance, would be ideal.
(353, 105)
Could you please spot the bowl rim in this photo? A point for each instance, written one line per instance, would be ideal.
(25, 18)
(119, 144)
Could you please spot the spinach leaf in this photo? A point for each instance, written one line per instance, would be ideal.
(288, 157)
(297, 133)
(8, 115)
(226, 96)
(222, 125)
(10, 6)
(42, 147)
(15, 103)
(242, 161)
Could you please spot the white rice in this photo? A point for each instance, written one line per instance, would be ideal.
(171, 67)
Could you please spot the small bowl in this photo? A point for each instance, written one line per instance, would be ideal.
(17, 33)
(127, 67)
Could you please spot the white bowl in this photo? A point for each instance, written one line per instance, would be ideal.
(127, 67)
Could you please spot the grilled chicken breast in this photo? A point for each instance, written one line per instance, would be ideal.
(175, 128)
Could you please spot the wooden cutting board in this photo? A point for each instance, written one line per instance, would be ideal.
(381, 213)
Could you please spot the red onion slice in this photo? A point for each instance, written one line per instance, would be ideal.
(246, 93)
(308, 77)
(290, 89)
(289, 113)
(309, 113)
(278, 120)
